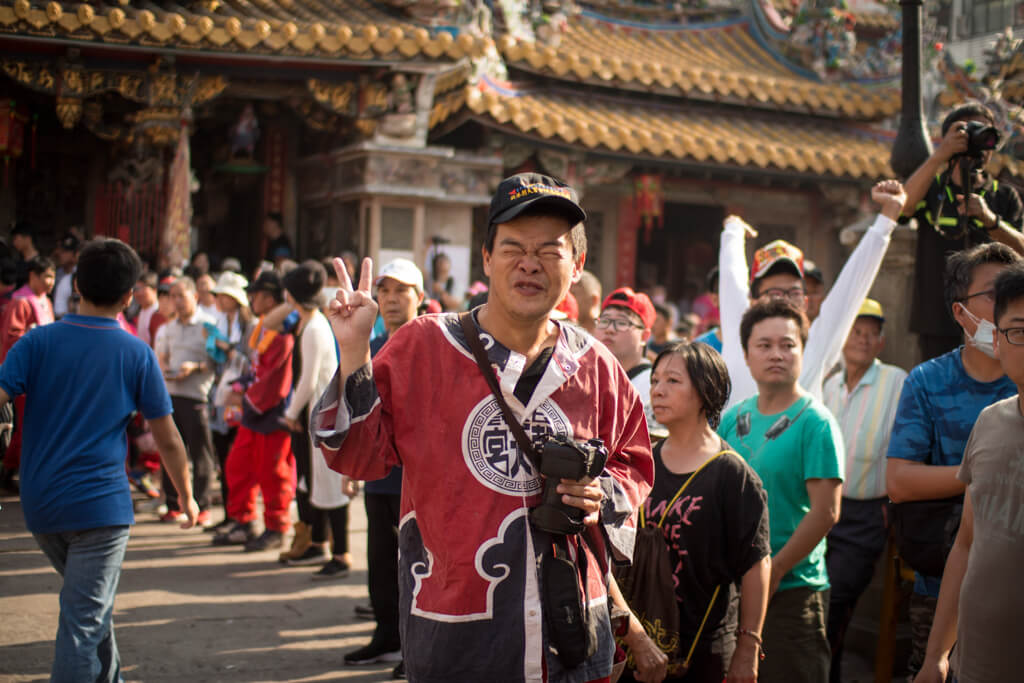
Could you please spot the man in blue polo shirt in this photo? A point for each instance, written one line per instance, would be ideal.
(74, 491)
(941, 401)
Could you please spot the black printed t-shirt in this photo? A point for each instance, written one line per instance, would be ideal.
(716, 531)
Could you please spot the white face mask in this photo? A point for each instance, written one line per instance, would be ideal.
(983, 338)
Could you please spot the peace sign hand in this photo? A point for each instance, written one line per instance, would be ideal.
(352, 315)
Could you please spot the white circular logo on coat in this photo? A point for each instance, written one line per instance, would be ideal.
(491, 451)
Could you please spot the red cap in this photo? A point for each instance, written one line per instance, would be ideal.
(637, 302)
(567, 310)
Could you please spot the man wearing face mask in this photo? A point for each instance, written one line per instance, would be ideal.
(941, 401)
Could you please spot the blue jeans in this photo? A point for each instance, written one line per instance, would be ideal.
(90, 562)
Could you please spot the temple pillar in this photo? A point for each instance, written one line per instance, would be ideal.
(387, 202)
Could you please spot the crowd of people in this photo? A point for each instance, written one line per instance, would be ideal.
(646, 490)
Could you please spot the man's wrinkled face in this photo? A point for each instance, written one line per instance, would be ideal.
(144, 294)
(184, 300)
(531, 267)
(398, 302)
(864, 342)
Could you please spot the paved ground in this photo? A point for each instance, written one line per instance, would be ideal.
(187, 611)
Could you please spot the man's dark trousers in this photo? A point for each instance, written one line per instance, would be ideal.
(854, 545)
(382, 517)
(193, 422)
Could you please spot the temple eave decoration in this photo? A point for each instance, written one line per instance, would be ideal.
(703, 63)
(302, 34)
(613, 126)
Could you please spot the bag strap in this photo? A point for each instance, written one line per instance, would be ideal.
(682, 488)
(472, 334)
(714, 596)
(707, 613)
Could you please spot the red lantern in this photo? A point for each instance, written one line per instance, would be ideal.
(12, 129)
(12, 133)
(649, 202)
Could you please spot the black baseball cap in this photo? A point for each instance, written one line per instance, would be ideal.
(517, 193)
(68, 243)
(268, 281)
(813, 272)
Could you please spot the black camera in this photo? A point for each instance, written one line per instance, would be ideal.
(563, 458)
(981, 138)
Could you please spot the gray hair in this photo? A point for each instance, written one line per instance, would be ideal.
(186, 282)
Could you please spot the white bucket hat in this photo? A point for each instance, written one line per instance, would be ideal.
(233, 285)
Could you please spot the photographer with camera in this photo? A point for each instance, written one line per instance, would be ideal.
(503, 572)
(964, 207)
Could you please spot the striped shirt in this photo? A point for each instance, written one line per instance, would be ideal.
(865, 416)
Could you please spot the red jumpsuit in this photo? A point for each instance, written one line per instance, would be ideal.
(261, 457)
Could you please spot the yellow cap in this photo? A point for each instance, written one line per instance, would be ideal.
(872, 309)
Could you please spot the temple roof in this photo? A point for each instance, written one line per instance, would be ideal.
(677, 134)
(723, 62)
(340, 29)
(884, 21)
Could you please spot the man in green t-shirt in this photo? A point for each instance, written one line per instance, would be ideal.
(795, 446)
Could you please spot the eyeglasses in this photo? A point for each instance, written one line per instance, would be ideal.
(1014, 335)
(794, 295)
(617, 324)
(989, 294)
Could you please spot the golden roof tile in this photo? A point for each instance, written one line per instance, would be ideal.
(352, 29)
(673, 133)
(713, 63)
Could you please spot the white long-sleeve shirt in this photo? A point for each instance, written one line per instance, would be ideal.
(828, 332)
(319, 363)
(62, 296)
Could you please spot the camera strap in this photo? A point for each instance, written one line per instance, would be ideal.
(472, 334)
(563, 575)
